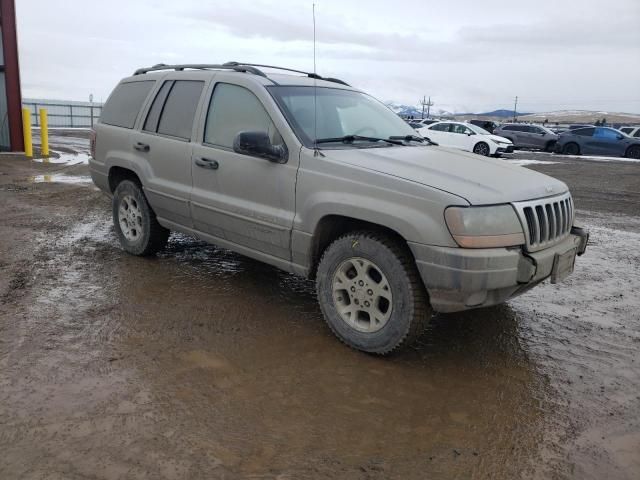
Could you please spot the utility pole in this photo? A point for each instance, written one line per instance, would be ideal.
(515, 108)
(427, 104)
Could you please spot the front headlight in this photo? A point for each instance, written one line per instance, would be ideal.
(499, 142)
(484, 227)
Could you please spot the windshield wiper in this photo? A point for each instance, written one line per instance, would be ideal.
(414, 138)
(353, 138)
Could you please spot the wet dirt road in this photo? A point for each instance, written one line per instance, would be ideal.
(201, 363)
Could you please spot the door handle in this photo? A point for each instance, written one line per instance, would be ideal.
(207, 163)
(141, 147)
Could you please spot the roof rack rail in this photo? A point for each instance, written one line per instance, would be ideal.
(236, 66)
(200, 66)
(308, 74)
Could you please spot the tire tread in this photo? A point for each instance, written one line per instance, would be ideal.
(420, 308)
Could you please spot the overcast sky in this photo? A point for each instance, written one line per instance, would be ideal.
(469, 55)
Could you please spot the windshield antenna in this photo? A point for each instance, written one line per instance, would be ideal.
(315, 89)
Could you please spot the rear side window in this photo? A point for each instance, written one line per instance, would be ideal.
(584, 132)
(174, 108)
(637, 134)
(125, 102)
(153, 117)
(441, 127)
(234, 109)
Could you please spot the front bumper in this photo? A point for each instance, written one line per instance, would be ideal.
(460, 279)
(507, 149)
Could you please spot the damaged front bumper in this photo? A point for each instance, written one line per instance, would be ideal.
(460, 279)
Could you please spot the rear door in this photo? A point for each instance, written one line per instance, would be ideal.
(439, 134)
(248, 201)
(584, 138)
(163, 143)
(537, 137)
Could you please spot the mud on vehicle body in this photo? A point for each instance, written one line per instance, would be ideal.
(319, 179)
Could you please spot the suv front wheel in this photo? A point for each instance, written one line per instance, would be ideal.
(135, 222)
(370, 292)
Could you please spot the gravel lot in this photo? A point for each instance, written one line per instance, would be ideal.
(201, 363)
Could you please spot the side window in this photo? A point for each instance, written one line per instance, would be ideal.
(174, 108)
(584, 132)
(457, 128)
(125, 102)
(535, 130)
(509, 127)
(441, 127)
(234, 109)
(606, 133)
(637, 134)
(153, 117)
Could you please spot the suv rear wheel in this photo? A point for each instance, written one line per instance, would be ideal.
(135, 223)
(370, 292)
(571, 148)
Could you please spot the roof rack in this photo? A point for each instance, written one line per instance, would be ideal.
(308, 74)
(236, 66)
(200, 66)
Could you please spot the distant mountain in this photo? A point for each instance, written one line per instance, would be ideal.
(438, 111)
(416, 110)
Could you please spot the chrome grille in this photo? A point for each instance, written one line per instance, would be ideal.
(546, 221)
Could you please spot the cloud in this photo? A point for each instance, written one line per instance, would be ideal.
(477, 55)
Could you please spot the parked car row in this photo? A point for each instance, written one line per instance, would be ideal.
(488, 138)
(468, 137)
(598, 141)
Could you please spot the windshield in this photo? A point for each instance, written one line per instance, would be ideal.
(339, 113)
(477, 129)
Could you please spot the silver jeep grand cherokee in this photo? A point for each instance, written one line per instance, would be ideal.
(320, 179)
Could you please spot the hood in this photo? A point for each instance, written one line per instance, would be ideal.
(479, 180)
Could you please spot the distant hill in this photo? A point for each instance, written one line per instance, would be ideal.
(581, 116)
(559, 116)
(496, 113)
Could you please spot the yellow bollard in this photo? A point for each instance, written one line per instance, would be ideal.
(44, 132)
(26, 127)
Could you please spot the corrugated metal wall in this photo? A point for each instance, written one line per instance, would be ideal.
(64, 113)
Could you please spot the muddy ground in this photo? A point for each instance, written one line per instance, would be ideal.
(201, 363)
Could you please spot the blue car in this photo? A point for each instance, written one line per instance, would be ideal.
(598, 141)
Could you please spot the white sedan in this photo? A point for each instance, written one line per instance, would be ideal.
(466, 136)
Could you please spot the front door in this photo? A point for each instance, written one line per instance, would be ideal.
(246, 200)
(607, 141)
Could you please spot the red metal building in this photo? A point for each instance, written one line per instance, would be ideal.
(10, 96)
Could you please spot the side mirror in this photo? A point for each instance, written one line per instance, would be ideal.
(258, 144)
(470, 133)
(543, 133)
(620, 137)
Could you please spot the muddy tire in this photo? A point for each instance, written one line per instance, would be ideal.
(571, 148)
(482, 148)
(135, 222)
(633, 152)
(371, 293)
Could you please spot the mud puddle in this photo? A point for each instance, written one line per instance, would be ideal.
(204, 363)
(62, 178)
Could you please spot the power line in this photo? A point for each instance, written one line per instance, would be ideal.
(427, 104)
